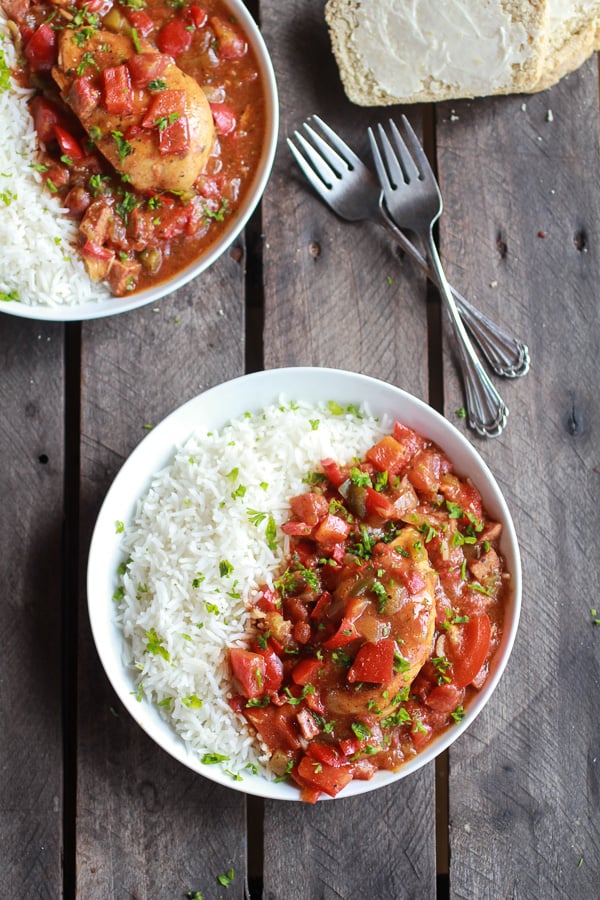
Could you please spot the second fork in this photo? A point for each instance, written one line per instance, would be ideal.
(414, 202)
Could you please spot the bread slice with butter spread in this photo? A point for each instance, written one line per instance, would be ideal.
(413, 51)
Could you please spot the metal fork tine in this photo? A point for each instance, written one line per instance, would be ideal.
(416, 150)
(408, 163)
(319, 166)
(335, 140)
(315, 180)
(337, 163)
(382, 174)
(395, 165)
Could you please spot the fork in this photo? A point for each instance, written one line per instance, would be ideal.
(348, 187)
(414, 201)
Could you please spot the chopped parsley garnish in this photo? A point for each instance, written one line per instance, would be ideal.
(294, 701)
(211, 607)
(334, 408)
(226, 879)
(359, 478)
(225, 568)
(381, 594)
(155, 646)
(216, 214)
(4, 73)
(192, 701)
(157, 84)
(258, 701)
(87, 60)
(400, 664)
(163, 121)
(119, 526)
(211, 759)
(458, 714)
(127, 205)
(124, 148)
(362, 731)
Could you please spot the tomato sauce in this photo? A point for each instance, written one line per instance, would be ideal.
(93, 114)
(381, 627)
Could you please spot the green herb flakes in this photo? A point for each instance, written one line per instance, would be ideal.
(226, 879)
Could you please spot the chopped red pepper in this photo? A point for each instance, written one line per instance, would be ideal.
(42, 49)
(118, 98)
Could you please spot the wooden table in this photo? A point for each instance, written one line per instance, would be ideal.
(90, 807)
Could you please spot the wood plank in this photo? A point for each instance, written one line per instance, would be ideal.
(146, 825)
(31, 522)
(519, 176)
(328, 302)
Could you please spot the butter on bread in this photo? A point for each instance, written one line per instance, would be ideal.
(414, 51)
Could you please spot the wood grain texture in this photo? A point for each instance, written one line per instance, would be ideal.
(147, 826)
(329, 302)
(31, 522)
(520, 181)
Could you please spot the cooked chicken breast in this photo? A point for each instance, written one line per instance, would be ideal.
(133, 148)
(409, 619)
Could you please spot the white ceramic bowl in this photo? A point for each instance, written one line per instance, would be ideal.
(212, 410)
(113, 305)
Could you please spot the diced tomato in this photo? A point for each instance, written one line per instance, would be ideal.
(117, 90)
(306, 671)
(309, 795)
(331, 530)
(350, 746)
(378, 505)
(174, 38)
(41, 49)
(420, 734)
(412, 579)
(276, 725)
(95, 251)
(250, 670)
(297, 529)
(83, 96)
(374, 663)
(198, 15)
(141, 21)
(270, 600)
(464, 494)
(224, 116)
(467, 646)
(410, 440)
(175, 137)
(45, 117)
(445, 698)
(333, 472)
(426, 469)
(347, 631)
(163, 105)
(326, 753)
(146, 67)
(273, 670)
(231, 44)
(387, 455)
(67, 143)
(329, 779)
(309, 507)
(318, 610)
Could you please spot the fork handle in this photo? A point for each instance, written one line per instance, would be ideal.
(486, 411)
(507, 355)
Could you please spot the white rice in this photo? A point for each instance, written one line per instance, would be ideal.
(193, 518)
(39, 265)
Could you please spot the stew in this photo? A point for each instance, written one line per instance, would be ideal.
(150, 118)
(383, 623)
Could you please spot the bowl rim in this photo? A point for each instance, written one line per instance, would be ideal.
(161, 443)
(105, 308)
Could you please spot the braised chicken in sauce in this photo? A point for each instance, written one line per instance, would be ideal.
(382, 625)
(150, 120)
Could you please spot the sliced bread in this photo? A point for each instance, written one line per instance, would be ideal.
(412, 51)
